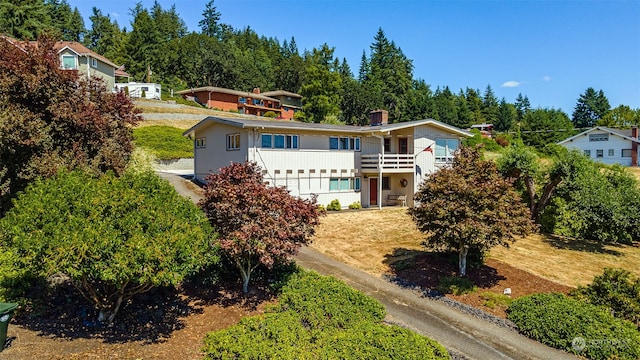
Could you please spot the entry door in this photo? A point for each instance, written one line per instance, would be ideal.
(373, 191)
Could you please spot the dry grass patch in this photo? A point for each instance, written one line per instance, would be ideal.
(567, 261)
(371, 240)
(180, 124)
(365, 238)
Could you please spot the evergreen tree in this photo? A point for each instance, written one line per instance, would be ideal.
(143, 43)
(507, 116)
(621, 117)
(24, 19)
(522, 106)
(445, 106)
(475, 105)
(68, 23)
(391, 71)
(322, 87)
(419, 102)
(489, 106)
(105, 37)
(210, 24)
(591, 107)
(364, 71)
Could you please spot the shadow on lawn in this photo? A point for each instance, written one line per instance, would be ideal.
(150, 317)
(425, 269)
(592, 246)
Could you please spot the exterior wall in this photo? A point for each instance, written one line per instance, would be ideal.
(153, 91)
(616, 143)
(225, 102)
(215, 155)
(103, 71)
(306, 171)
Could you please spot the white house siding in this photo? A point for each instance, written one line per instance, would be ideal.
(215, 155)
(615, 142)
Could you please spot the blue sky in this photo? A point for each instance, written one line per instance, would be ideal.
(551, 51)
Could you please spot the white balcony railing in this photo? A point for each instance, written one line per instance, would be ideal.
(388, 162)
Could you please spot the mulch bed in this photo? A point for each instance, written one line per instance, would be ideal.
(426, 269)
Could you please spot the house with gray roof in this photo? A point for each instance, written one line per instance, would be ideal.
(607, 145)
(376, 165)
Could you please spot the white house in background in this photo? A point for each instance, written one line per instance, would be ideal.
(377, 165)
(136, 90)
(607, 145)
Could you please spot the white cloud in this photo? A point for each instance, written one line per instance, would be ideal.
(510, 84)
(546, 78)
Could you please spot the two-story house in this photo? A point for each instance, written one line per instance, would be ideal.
(75, 56)
(374, 165)
(284, 104)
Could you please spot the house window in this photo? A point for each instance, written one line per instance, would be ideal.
(626, 152)
(598, 137)
(344, 184)
(610, 152)
(292, 142)
(386, 183)
(242, 100)
(144, 88)
(201, 143)
(445, 149)
(280, 141)
(588, 152)
(266, 141)
(94, 63)
(233, 142)
(354, 144)
(599, 153)
(344, 143)
(387, 145)
(403, 146)
(69, 62)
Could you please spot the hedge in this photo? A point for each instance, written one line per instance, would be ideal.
(319, 317)
(575, 326)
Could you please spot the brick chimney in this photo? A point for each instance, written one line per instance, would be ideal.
(379, 117)
(634, 146)
(256, 90)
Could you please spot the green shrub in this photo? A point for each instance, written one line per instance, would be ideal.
(616, 290)
(575, 326)
(319, 317)
(493, 300)
(323, 301)
(143, 94)
(270, 114)
(334, 205)
(321, 208)
(165, 142)
(355, 205)
(455, 285)
(300, 116)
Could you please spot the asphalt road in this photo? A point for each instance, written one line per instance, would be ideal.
(464, 335)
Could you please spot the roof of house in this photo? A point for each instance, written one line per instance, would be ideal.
(227, 91)
(296, 125)
(81, 50)
(623, 133)
(281, 93)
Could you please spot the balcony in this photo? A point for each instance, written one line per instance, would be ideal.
(389, 163)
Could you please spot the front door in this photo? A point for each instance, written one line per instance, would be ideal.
(373, 191)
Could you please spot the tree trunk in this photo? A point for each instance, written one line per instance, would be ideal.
(531, 189)
(462, 259)
(544, 199)
(246, 274)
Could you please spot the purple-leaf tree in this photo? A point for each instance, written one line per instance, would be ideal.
(257, 224)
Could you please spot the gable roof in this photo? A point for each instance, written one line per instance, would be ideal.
(81, 50)
(227, 91)
(296, 125)
(625, 134)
